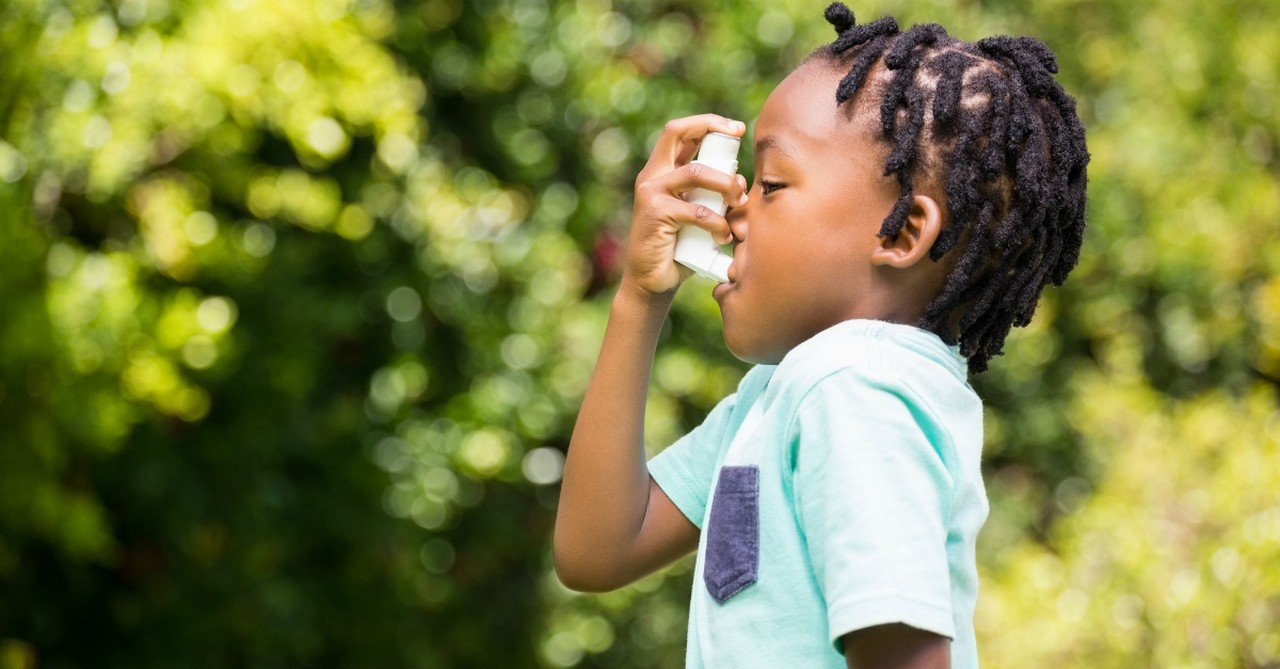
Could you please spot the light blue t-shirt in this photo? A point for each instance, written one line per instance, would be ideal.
(837, 490)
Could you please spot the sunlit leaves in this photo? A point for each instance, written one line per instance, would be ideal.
(1169, 560)
(303, 283)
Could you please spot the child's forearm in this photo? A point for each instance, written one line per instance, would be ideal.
(614, 524)
(605, 491)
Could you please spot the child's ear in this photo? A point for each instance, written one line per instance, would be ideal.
(917, 236)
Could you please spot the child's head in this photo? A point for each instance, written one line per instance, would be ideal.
(954, 173)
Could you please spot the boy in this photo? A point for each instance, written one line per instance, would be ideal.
(913, 195)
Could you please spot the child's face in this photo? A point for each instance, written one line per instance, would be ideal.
(805, 237)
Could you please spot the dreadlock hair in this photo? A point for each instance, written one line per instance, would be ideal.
(990, 124)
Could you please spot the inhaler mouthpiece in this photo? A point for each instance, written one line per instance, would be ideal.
(695, 247)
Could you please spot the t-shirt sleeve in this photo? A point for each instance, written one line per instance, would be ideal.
(684, 469)
(873, 493)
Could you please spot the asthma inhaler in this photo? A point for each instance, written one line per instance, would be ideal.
(695, 248)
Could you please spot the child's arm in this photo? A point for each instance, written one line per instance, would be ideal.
(614, 524)
(896, 647)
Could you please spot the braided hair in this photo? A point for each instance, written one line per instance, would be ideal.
(988, 121)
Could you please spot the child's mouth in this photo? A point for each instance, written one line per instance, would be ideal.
(723, 289)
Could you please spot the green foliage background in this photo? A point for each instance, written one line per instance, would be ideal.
(298, 300)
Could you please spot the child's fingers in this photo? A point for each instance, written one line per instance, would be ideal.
(672, 213)
(659, 210)
(695, 175)
(687, 213)
(680, 138)
(650, 261)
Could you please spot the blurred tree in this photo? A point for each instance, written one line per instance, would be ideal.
(205, 338)
(299, 299)
(1167, 559)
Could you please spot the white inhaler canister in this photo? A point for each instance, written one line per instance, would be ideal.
(695, 247)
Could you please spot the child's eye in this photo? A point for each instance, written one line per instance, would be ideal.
(769, 186)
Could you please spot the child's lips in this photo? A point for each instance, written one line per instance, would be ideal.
(725, 288)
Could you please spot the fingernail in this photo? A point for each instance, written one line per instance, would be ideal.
(742, 200)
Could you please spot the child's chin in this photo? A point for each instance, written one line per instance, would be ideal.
(748, 351)
(731, 339)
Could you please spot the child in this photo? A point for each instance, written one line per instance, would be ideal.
(913, 195)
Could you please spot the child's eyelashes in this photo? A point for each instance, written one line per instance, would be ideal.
(767, 186)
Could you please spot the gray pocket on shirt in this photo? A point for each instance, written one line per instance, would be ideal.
(733, 533)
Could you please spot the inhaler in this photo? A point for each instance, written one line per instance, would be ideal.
(695, 247)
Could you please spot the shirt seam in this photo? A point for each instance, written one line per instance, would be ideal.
(890, 594)
(873, 606)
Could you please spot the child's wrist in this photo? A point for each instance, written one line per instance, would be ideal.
(632, 296)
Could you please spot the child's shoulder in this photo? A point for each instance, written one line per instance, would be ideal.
(877, 351)
(860, 373)
(860, 366)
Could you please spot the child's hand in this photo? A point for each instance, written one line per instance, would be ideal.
(660, 211)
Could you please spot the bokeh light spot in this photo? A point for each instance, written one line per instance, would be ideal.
(327, 137)
(289, 76)
(258, 240)
(611, 148)
(200, 352)
(485, 451)
(437, 555)
(404, 304)
(97, 132)
(520, 351)
(543, 466)
(200, 227)
(216, 314)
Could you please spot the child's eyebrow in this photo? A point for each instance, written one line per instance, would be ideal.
(774, 142)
